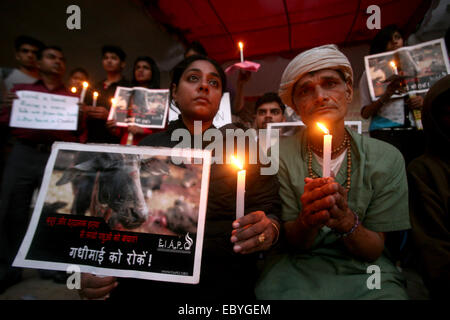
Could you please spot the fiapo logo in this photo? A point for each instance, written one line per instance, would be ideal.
(180, 246)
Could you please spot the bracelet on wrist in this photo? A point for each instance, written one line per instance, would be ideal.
(277, 233)
(355, 225)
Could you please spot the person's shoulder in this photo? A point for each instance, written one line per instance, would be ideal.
(232, 126)
(154, 140)
(376, 150)
(427, 163)
(5, 72)
(124, 83)
(25, 86)
(378, 147)
(290, 143)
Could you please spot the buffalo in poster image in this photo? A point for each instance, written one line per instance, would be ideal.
(132, 192)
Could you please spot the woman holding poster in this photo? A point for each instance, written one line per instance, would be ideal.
(231, 246)
(145, 74)
(391, 119)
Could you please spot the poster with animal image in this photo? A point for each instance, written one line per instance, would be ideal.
(420, 65)
(147, 108)
(120, 211)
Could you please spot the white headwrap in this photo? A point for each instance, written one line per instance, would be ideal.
(323, 57)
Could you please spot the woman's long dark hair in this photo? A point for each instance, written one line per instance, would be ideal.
(178, 70)
(382, 38)
(154, 82)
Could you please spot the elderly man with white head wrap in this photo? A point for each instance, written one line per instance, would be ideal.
(335, 226)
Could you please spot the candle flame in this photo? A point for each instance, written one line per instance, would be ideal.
(113, 101)
(241, 45)
(393, 65)
(85, 84)
(74, 90)
(323, 128)
(237, 163)
(95, 94)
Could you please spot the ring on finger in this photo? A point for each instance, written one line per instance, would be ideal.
(261, 238)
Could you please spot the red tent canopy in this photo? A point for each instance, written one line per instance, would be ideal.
(278, 26)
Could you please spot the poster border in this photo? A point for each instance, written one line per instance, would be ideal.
(21, 260)
(407, 48)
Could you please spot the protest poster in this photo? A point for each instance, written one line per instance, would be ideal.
(147, 108)
(420, 65)
(122, 211)
(39, 110)
(222, 117)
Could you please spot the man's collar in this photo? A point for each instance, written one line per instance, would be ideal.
(42, 83)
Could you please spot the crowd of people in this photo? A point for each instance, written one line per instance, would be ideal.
(303, 235)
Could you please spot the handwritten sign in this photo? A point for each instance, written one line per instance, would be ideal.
(38, 110)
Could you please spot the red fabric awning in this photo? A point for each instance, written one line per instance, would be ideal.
(278, 26)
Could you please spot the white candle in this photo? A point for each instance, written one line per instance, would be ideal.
(394, 67)
(94, 99)
(130, 139)
(83, 92)
(240, 192)
(326, 151)
(241, 49)
(113, 109)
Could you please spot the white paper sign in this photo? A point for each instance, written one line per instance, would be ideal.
(38, 110)
(222, 117)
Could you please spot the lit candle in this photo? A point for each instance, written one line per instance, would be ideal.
(130, 139)
(73, 89)
(326, 151)
(241, 49)
(83, 92)
(240, 192)
(94, 99)
(394, 67)
(113, 109)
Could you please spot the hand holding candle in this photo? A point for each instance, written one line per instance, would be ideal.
(240, 192)
(94, 98)
(394, 67)
(113, 109)
(326, 151)
(83, 91)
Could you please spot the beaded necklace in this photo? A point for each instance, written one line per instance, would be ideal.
(334, 151)
(346, 143)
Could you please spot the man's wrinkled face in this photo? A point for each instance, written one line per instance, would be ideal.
(267, 113)
(322, 96)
